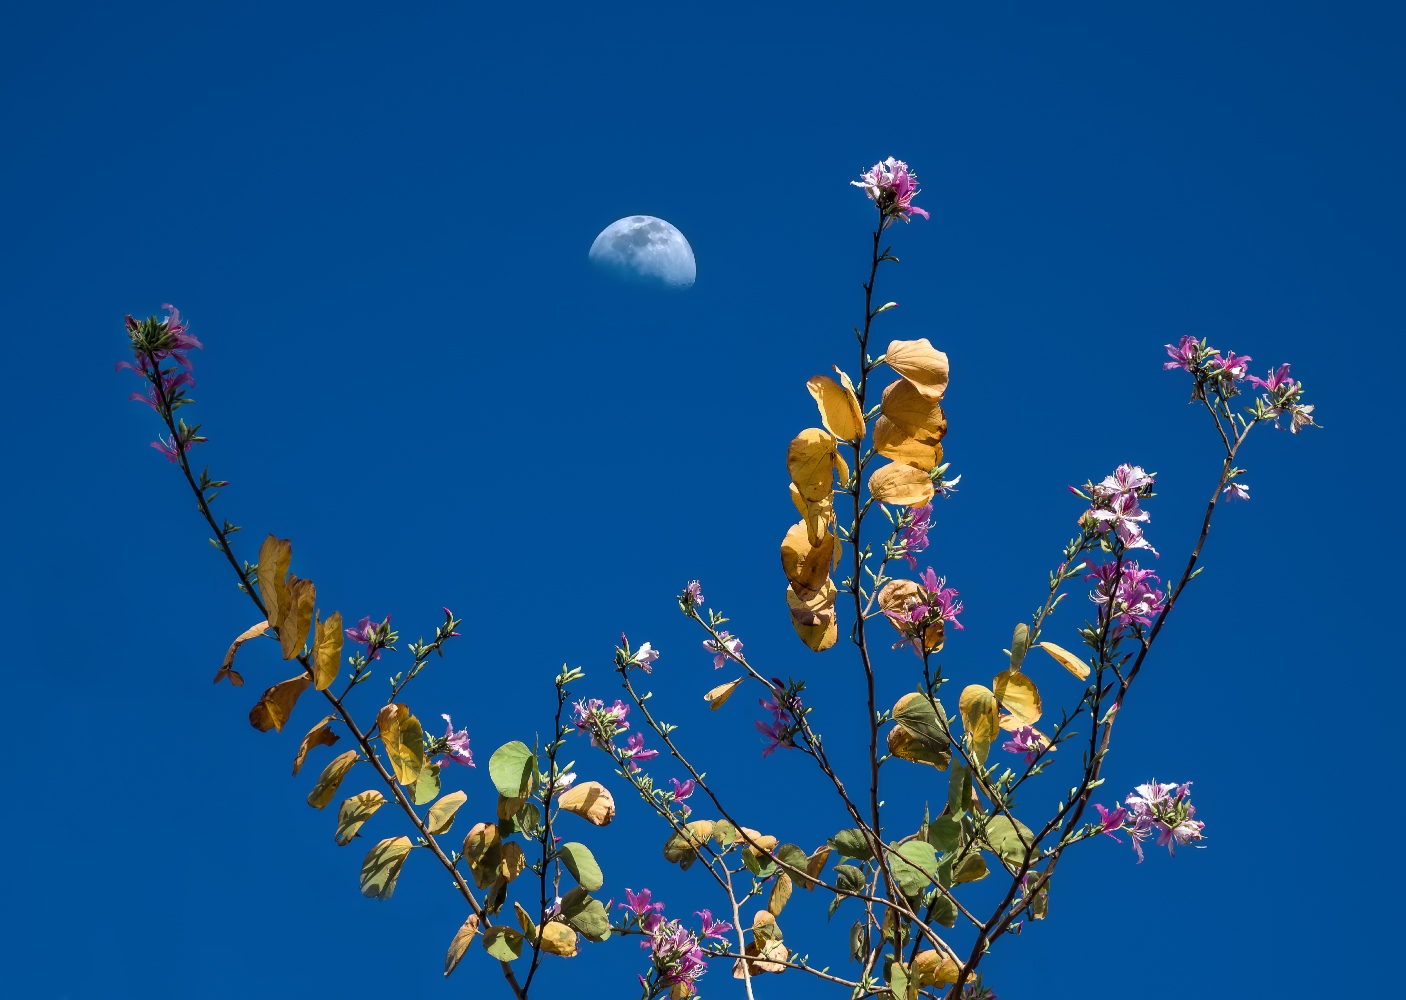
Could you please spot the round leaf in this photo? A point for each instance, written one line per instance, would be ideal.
(920, 363)
(906, 407)
(503, 943)
(512, 768)
(582, 865)
(1018, 695)
(807, 566)
(591, 801)
(839, 409)
(382, 866)
(331, 779)
(810, 461)
(356, 811)
(979, 715)
(901, 484)
(441, 816)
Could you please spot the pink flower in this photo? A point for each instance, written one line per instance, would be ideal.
(635, 750)
(1299, 416)
(941, 596)
(376, 636)
(1155, 808)
(1027, 740)
(915, 535)
(1235, 491)
(682, 790)
(1232, 364)
(695, 592)
(458, 743)
(891, 186)
(1134, 600)
(596, 720)
(1184, 354)
(1114, 506)
(712, 928)
(726, 644)
(1110, 821)
(1275, 380)
(645, 657)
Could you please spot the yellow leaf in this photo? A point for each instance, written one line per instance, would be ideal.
(810, 460)
(903, 743)
(441, 816)
(591, 801)
(356, 811)
(931, 969)
(297, 616)
(765, 927)
(815, 620)
(807, 566)
(780, 894)
(972, 869)
(1067, 660)
(818, 637)
(274, 556)
(327, 651)
(818, 515)
(331, 779)
(841, 469)
(979, 716)
(721, 693)
(757, 963)
(382, 867)
(227, 668)
(814, 866)
(524, 920)
(483, 850)
(1018, 695)
(403, 738)
(920, 417)
(277, 703)
(898, 443)
(920, 363)
(320, 735)
(839, 409)
(757, 842)
(682, 847)
(558, 939)
(513, 860)
(897, 483)
(462, 939)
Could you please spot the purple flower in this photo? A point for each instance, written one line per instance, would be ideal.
(1232, 364)
(1235, 491)
(376, 635)
(915, 535)
(775, 735)
(1299, 416)
(645, 657)
(1114, 506)
(1274, 381)
(1134, 599)
(1183, 355)
(560, 783)
(726, 644)
(1110, 821)
(458, 743)
(639, 903)
(596, 720)
(635, 750)
(683, 790)
(1027, 740)
(173, 384)
(891, 186)
(712, 928)
(940, 595)
(695, 592)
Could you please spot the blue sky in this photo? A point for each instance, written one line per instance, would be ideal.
(377, 221)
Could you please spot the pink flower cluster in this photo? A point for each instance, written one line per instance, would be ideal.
(915, 534)
(891, 186)
(777, 733)
(599, 722)
(1027, 740)
(1124, 589)
(936, 602)
(456, 743)
(674, 950)
(1114, 506)
(726, 647)
(1164, 810)
(1281, 392)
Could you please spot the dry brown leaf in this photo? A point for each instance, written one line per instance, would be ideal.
(227, 668)
(319, 735)
(274, 556)
(815, 864)
(331, 779)
(807, 566)
(591, 801)
(765, 927)
(920, 363)
(277, 703)
(841, 469)
(721, 693)
(462, 939)
(1067, 660)
(810, 460)
(327, 651)
(1018, 695)
(839, 409)
(756, 964)
(296, 618)
(898, 443)
(441, 816)
(897, 483)
(979, 716)
(905, 406)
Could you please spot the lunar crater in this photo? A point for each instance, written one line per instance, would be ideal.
(644, 248)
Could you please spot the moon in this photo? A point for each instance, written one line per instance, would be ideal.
(643, 248)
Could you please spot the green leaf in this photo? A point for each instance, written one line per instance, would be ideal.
(441, 816)
(426, 786)
(916, 713)
(382, 866)
(582, 865)
(944, 870)
(972, 869)
(910, 879)
(944, 833)
(1020, 642)
(724, 833)
(959, 790)
(512, 768)
(503, 943)
(528, 818)
(849, 878)
(944, 911)
(852, 844)
(1005, 838)
(587, 915)
(790, 854)
(355, 811)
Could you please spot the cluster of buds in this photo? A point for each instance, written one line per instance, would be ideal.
(1113, 506)
(600, 723)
